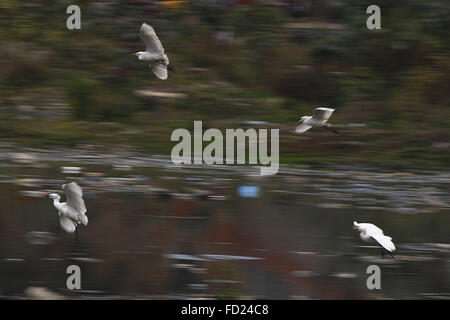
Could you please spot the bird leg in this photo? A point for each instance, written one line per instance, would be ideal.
(76, 233)
(390, 253)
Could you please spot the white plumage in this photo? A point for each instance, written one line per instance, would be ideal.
(370, 231)
(319, 119)
(154, 54)
(73, 211)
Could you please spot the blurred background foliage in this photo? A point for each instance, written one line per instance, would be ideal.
(235, 61)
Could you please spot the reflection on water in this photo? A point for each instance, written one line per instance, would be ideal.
(161, 231)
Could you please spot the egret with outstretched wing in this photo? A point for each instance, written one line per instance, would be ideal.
(369, 231)
(319, 119)
(72, 212)
(154, 52)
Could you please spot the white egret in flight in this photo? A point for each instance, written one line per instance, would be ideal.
(319, 119)
(370, 232)
(73, 211)
(154, 52)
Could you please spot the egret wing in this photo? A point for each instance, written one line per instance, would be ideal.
(67, 224)
(384, 241)
(160, 70)
(151, 40)
(74, 196)
(322, 114)
(302, 128)
(370, 228)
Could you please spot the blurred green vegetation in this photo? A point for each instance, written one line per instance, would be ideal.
(273, 67)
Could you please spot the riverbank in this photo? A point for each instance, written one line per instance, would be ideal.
(355, 144)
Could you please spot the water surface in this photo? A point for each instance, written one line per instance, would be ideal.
(161, 231)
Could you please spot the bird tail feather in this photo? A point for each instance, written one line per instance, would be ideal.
(385, 242)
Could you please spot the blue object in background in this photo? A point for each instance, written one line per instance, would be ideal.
(248, 191)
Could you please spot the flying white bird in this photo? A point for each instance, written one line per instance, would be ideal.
(73, 211)
(319, 119)
(154, 53)
(372, 232)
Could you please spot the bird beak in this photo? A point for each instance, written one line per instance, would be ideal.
(134, 54)
(355, 228)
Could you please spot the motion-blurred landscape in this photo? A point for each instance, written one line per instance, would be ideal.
(76, 105)
(235, 61)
